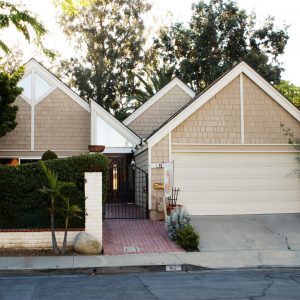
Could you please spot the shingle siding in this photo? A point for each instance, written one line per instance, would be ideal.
(20, 137)
(61, 123)
(216, 122)
(263, 117)
(159, 112)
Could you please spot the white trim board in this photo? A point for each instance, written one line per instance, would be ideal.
(96, 109)
(236, 151)
(157, 96)
(32, 64)
(111, 150)
(217, 87)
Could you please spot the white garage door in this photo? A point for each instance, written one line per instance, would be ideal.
(237, 183)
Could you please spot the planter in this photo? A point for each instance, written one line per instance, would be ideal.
(172, 207)
(96, 148)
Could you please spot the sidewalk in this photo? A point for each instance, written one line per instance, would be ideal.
(102, 264)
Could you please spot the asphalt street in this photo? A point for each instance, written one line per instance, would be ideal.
(219, 284)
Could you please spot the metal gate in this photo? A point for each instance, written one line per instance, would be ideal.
(127, 192)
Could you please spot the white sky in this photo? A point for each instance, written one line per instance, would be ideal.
(163, 12)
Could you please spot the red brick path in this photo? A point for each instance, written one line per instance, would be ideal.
(136, 236)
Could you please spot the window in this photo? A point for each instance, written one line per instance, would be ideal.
(28, 160)
(115, 177)
(108, 136)
(35, 87)
(9, 162)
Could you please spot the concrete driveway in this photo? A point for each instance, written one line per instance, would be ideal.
(248, 232)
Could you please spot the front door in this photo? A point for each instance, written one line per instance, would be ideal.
(124, 198)
(120, 179)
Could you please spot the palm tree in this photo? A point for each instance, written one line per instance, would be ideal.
(151, 81)
(54, 190)
(69, 212)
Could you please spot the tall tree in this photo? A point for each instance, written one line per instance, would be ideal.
(8, 93)
(111, 33)
(148, 82)
(219, 35)
(291, 91)
(25, 22)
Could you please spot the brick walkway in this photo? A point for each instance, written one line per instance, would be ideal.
(136, 236)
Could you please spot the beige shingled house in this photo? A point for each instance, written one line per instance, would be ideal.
(227, 146)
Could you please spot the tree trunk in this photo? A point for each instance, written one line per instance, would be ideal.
(64, 247)
(54, 243)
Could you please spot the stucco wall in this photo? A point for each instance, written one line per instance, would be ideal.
(61, 123)
(263, 117)
(216, 122)
(19, 138)
(159, 112)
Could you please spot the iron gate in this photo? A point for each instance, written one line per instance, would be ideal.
(127, 192)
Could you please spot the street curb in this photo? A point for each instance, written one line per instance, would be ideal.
(185, 268)
(101, 270)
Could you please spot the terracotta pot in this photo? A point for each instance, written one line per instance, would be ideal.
(96, 148)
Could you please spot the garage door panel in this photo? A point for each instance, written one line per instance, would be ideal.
(217, 184)
(243, 183)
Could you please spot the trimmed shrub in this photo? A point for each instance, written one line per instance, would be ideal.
(23, 205)
(178, 218)
(187, 238)
(49, 155)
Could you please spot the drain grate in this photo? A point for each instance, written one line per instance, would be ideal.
(131, 249)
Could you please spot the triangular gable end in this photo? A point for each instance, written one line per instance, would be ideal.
(203, 98)
(42, 82)
(157, 96)
(118, 130)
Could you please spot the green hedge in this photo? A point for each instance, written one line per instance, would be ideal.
(22, 205)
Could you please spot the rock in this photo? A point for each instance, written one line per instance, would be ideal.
(85, 243)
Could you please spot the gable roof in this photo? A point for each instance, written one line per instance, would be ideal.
(199, 100)
(157, 96)
(33, 64)
(127, 133)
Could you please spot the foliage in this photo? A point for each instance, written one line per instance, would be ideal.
(55, 190)
(12, 60)
(8, 93)
(22, 205)
(187, 238)
(69, 211)
(49, 155)
(218, 36)
(290, 91)
(72, 7)
(151, 81)
(25, 22)
(111, 34)
(178, 219)
(293, 140)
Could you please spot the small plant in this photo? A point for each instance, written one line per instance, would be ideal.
(178, 219)
(49, 155)
(69, 211)
(187, 238)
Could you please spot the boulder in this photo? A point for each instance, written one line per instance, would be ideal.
(85, 243)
